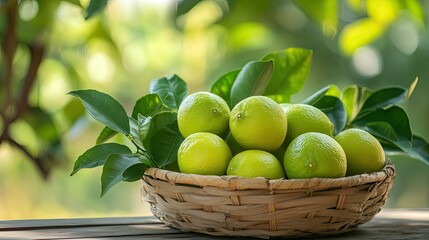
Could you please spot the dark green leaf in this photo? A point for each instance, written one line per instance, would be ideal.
(105, 135)
(291, 67)
(42, 124)
(161, 137)
(105, 109)
(136, 138)
(222, 87)
(143, 124)
(386, 135)
(185, 6)
(165, 144)
(353, 99)
(115, 167)
(97, 155)
(171, 90)
(384, 98)
(155, 124)
(394, 116)
(420, 149)
(134, 173)
(330, 90)
(323, 13)
(383, 129)
(316, 96)
(148, 105)
(252, 80)
(335, 110)
(94, 7)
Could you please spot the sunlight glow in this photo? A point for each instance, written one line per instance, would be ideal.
(28, 10)
(100, 67)
(405, 37)
(367, 61)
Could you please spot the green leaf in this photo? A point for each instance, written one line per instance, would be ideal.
(291, 68)
(412, 87)
(334, 91)
(330, 90)
(386, 135)
(384, 98)
(420, 149)
(252, 80)
(97, 155)
(135, 134)
(324, 13)
(104, 109)
(156, 123)
(383, 12)
(165, 144)
(115, 167)
(222, 87)
(394, 116)
(148, 105)
(42, 123)
(333, 107)
(316, 96)
(143, 124)
(105, 135)
(94, 7)
(171, 90)
(161, 137)
(353, 99)
(136, 172)
(383, 129)
(185, 6)
(359, 33)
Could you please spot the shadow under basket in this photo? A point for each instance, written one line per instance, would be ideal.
(258, 207)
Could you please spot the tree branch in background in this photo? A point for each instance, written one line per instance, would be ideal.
(9, 48)
(11, 109)
(36, 53)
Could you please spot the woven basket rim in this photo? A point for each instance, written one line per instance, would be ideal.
(239, 183)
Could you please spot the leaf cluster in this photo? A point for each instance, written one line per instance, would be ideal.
(152, 126)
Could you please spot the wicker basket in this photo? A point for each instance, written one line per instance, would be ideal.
(257, 207)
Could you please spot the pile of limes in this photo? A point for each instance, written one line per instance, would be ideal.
(261, 138)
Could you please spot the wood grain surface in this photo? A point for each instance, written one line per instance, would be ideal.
(389, 224)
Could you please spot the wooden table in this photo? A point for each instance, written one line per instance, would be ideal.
(388, 224)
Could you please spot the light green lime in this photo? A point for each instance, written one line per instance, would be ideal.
(303, 118)
(364, 152)
(255, 163)
(203, 153)
(258, 122)
(203, 112)
(314, 155)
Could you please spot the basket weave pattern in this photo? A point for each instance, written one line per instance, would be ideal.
(233, 206)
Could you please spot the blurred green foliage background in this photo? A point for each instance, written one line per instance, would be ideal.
(119, 50)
